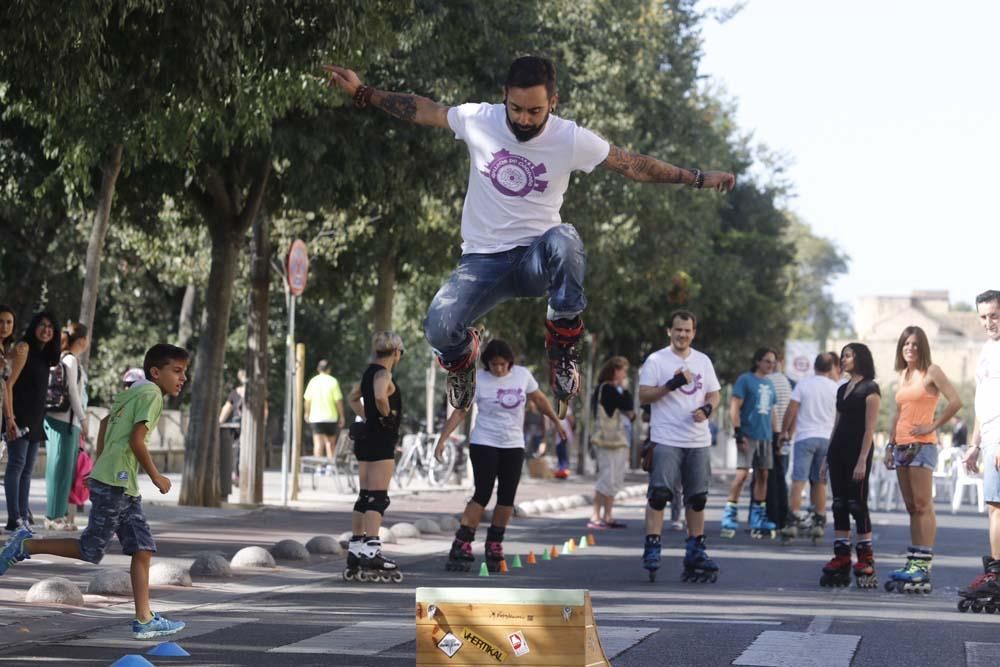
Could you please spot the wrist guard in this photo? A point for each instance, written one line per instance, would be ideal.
(676, 382)
(707, 409)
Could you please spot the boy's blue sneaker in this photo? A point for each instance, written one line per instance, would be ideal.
(14, 552)
(155, 627)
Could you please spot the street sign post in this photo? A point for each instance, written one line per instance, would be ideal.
(296, 275)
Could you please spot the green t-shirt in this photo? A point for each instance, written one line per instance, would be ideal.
(323, 392)
(117, 465)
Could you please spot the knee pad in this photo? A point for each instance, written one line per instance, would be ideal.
(697, 501)
(840, 505)
(854, 507)
(361, 504)
(378, 501)
(659, 498)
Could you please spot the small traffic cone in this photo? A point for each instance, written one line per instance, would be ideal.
(546, 555)
(531, 558)
(565, 549)
(517, 561)
(503, 566)
(583, 542)
(590, 539)
(572, 545)
(483, 570)
(555, 553)
(168, 649)
(131, 660)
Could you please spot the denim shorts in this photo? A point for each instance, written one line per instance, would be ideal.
(809, 456)
(991, 476)
(916, 455)
(114, 513)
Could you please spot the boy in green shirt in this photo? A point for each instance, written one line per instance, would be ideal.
(114, 491)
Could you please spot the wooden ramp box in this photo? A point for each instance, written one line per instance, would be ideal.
(507, 626)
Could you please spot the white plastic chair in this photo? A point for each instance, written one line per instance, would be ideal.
(963, 480)
(883, 487)
(946, 473)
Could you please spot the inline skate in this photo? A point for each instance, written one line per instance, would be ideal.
(354, 550)
(983, 594)
(375, 567)
(914, 577)
(864, 568)
(651, 556)
(760, 526)
(698, 567)
(837, 571)
(730, 521)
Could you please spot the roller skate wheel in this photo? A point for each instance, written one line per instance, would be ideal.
(990, 608)
(361, 575)
(727, 533)
(348, 575)
(977, 606)
(964, 604)
(714, 577)
(890, 586)
(397, 577)
(652, 575)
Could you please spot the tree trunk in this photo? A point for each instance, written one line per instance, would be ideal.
(228, 219)
(385, 292)
(201, 484)
(95, 247)
(253, 432)
(185, 321)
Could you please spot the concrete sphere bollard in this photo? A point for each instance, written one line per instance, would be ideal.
(289, 550)
(449, 524)
(110, 582)
(403, 530)
(55, 590)
(428, 526)
(385, 536)
(253, 557)
(324, 544)
(169, 574)
(211, 565)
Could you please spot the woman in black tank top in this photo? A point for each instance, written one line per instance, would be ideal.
(28, 384)
(379, 402)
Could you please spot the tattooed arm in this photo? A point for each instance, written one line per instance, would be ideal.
(650, 170)
(412, 108)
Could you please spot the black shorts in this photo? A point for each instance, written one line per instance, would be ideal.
(374, 450)
(325, 428)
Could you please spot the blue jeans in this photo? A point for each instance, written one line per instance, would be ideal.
(21, 456)
(554, 264)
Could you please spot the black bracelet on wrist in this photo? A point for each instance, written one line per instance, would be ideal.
(707, 409)
(362, 96)
(736, 433)
(699, 179)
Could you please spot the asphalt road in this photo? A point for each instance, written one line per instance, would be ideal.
(766, 608)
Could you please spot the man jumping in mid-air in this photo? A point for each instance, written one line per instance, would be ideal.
(514, 241)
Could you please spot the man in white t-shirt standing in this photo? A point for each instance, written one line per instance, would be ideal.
(515, 243)
(809, 420)
(680, 385)
(986, 436)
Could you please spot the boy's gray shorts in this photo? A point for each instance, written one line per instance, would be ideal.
(114, 513)
(677, 468)
(759, 455)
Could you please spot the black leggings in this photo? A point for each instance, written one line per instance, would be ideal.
(850, 498)
(496, 465)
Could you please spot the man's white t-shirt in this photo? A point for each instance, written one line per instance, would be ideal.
(516, 188)
(817, 399)
(500, 403)
(988, 392)
(671, 421)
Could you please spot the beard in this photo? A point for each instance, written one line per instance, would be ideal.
(525, 132)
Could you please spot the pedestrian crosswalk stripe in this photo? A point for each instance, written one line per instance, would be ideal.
(777, 648)
(616, 639)
(981, 654)
(364, 638)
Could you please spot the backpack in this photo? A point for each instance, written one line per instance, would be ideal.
(57, 394)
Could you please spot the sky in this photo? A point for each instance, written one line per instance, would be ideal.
(887, 114)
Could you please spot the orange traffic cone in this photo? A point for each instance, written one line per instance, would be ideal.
(503, 566)
(531, 558)
(572, 545)
(590, 539)
(554, 553)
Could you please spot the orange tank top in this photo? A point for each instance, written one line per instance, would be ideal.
(916, 406)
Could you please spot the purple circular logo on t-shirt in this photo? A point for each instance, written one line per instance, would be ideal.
(510, 398)
(692, 389)
(515, 175)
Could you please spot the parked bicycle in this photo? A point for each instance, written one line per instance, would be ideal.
(417, 459)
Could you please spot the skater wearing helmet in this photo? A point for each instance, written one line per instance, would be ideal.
(751, 409)
(496, 449)
(984, 592)
(680, 385)
(379, 402)
(913, 451)
(515, 243)
(850, 462)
